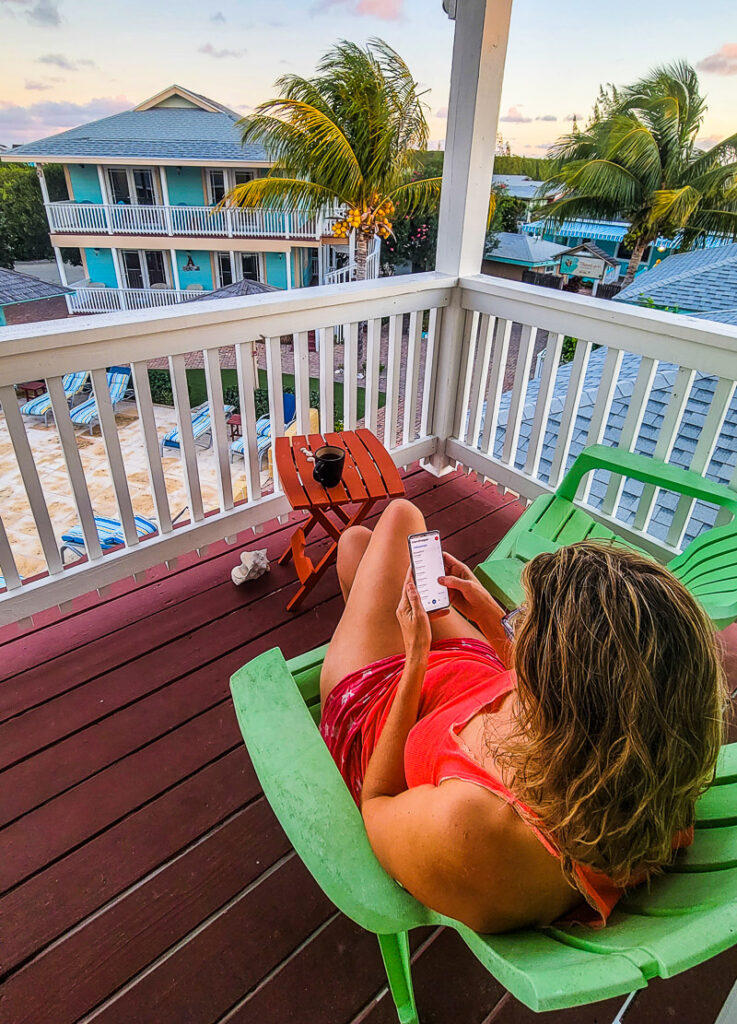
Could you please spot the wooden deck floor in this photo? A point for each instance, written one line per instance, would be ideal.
(143, 876)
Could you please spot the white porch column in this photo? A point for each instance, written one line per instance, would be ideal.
(120, 278)
(479, 52)
(60, 265)
(105, 198)
(289, 268)
(42, 183)
(174, 269)
(165, 200)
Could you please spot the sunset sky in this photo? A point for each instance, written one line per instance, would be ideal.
(66, 62)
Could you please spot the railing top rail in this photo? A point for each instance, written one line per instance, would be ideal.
(172, 330)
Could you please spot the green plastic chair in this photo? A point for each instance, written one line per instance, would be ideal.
(689, 914)
(708, 566)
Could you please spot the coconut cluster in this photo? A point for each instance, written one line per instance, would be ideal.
(372, 218)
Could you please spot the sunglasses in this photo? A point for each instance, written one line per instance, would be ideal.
(509, 622)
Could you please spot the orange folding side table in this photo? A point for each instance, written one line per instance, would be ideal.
(369, 475)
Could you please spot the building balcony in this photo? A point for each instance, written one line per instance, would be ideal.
(81, 218)
(89, 297)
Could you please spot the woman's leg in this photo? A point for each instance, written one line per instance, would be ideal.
(371, 569)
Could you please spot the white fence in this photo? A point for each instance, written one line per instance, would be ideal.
(189, 221)
(109, 300)
(638, 378)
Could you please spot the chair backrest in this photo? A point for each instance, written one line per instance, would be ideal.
(118, 380)
(74, 382)
(290, 407)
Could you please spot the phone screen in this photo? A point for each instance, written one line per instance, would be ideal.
(426, 556)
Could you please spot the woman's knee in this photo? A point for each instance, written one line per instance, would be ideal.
(352, 543)
(401, 516)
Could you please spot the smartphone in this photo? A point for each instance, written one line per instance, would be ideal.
(426, 556)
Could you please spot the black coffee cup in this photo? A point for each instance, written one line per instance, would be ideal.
(329, 462)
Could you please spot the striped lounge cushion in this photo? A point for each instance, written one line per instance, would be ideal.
(110, 531)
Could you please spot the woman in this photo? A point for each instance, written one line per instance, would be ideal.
(505, 783)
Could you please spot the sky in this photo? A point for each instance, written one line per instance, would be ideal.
(68, 62)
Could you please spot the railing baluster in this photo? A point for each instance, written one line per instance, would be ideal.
(147, 421)
(7, 562)
(666, 439)
(111, 440)
(394, 359)
(187, 450)
(373, 371)
(412, 379)
(570, 410)
(431, 354)
(75, 470)
(214, 381)
(519, 393)
(708, 438)
(276, 399)
(632, 423)
(479, 378)
(468, 356)
(29, 473)
(601, 410)
(302, 380)
(327, 380)
(544, 401)
(244, 361)
(499, 354)
(350, 375)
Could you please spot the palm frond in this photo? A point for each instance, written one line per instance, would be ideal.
(674, 206)
(418, 195)
(282, 193)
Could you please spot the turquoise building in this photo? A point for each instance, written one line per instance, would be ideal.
(143, 188)
(608, 235)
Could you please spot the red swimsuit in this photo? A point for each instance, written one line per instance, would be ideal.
(463, 677)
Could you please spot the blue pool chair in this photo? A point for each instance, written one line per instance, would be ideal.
(263, 429)
(72, 384)
(118, 382)
(201, 426)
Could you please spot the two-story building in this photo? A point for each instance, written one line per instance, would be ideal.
(143, 189)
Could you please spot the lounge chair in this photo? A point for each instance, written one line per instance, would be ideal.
(686, 916)
(263, 429)
(201, 427)
(118, 382)
(110, 532)
(41, 404)
(708, 566)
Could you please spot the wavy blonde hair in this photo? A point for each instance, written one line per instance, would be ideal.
(621, 701)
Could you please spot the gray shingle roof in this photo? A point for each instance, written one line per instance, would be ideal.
(15, 287)
(160, 133)
(699, 280)
(720, 468)
(514, 248)
(723, 316)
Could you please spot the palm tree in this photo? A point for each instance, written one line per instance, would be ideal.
(637, 160)
(347, 139)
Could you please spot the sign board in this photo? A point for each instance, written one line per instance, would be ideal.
(582, 266)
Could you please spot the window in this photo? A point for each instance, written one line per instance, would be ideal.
(223, 269)
(144, 268)
(250, 264)
(216, 185)
(624, 252)
(132, 186)
(241, 177)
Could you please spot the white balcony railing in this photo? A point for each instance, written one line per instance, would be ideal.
(181, 221)
(110, 300)
(521, 413)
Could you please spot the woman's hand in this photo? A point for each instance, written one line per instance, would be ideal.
(467, 595)
(414, 622)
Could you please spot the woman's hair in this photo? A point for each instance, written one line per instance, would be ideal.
(621, 698)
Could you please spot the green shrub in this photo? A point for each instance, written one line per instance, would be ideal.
(160, 383)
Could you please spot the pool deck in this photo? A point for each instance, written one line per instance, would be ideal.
(143, 877)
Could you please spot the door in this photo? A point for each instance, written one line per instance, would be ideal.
(144, 268)
(133, 268)
(155, 267)
(223, 269)
(216, 185)
(143, 183)
(250, 264)
(119, 189)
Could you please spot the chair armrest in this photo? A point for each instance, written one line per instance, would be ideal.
(649, 471)
(311, 801)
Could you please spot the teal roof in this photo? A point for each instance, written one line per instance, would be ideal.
(167, 133)
(705, 279)
(514, 248)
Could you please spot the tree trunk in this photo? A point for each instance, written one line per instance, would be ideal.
(635, 259)
(362, 245)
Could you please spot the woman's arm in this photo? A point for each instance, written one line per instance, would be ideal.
(385, 772)
(473, 601)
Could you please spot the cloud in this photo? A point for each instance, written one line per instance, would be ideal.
(723, 62)
(218, 16)
(443, 112)
(546, 117)
(58, 60)
(212, 51)
(515, 116)
(387, 10)
(573, 117)
(708, 141)
(45, 12)
(37, 86)
(37, 120)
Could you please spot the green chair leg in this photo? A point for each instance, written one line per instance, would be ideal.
(395, 954)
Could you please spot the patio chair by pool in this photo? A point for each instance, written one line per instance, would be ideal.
(708, 566)
(263, 429)
(688, 915)
(41, 404)
(110, 532)
(118, 381)
(201, 427)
